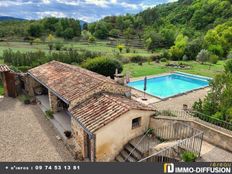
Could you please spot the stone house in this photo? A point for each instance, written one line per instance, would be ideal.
(103, 116)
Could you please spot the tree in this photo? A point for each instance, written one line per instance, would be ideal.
(203, 56)
(35, 30)
(50, 40)
(177, 51)
(85, 26)
(68, 33)
(101, 30)
(114, 33)
(104, 66)
(120, 47)
(86, 34)
(193, 48)
(228, 66)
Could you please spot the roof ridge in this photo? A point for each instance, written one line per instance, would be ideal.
(86, 72)
(117, 101)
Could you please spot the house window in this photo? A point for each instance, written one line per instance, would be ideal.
(136, 122)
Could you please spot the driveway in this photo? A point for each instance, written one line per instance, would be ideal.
(26, 135)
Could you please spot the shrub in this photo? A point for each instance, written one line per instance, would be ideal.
(49, 114)
(203, 56)
(120, 47)
(228, 66)
(229, 56)
(91, 39)
(127, 50)
(58, 46)
(185, 58)
(104, 66)
(188, 156)
(124, 60)
(138, 59)
(37, 40)
(165, 54)
(213, 59)
(155, 57)
(163, 60)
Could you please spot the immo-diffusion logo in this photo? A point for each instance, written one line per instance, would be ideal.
(168, 168)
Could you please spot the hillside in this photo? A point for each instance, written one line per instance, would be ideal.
(9, 18)
(185, 26)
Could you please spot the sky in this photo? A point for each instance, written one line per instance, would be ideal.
(87, 10)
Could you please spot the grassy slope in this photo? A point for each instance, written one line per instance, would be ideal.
(154, 68)
(100, 46)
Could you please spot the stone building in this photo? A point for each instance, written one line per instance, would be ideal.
(8, 79)
(103, 117)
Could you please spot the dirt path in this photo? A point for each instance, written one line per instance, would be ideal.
(26, 135)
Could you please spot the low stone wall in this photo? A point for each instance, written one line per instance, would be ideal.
(211, 135)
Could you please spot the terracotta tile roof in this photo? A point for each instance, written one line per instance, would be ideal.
(4, 68)
(102, 109)
(68, 81)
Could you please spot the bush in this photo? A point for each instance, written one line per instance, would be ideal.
(58, 46)
(203, 56)
(124, 60)
(155, 57)
(228, 66)
(165, 54)
(229, 56)
(163, 60)
(91, 39)
(104, 66)
(127, 50)
(138, 59)
(49, 114)
(213, 59)
(188, 156)
(185, 58)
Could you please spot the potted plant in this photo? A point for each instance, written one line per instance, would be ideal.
(188, 156)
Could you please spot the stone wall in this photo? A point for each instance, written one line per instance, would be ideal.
(53, 101)
(81, 137)
(211, 135)
(30, 85)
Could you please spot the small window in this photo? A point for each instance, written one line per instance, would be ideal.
(136, 122)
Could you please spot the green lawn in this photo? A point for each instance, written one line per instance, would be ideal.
(1, 61)
(154, 69)
(100, 46)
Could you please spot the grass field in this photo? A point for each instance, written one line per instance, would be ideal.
(100, 46)
(155, 68)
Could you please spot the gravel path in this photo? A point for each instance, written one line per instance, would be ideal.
(26, 135)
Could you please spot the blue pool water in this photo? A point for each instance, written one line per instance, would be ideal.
(171, 85)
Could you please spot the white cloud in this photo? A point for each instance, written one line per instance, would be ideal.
(46, 1)
(8, 3)
(70, 2)
(101, 3)
(51, 14)
(128, 5)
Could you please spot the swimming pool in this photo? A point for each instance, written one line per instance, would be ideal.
(171, 85)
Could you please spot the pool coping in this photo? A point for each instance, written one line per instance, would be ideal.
(165, 74)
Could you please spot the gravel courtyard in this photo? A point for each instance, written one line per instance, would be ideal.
(26, 135)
